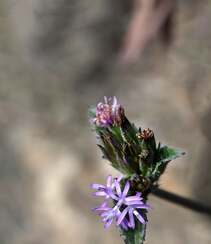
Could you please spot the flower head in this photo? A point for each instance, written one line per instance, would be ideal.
(108, 113)
(126, 207)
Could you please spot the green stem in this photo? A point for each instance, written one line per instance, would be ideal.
(136, 236)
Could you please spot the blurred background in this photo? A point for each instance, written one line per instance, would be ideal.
(58, 57)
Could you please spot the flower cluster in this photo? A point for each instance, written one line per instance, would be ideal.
(108, 113)
(125, 207)
(136, 154)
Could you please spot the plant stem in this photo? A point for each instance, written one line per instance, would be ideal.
(182, 201)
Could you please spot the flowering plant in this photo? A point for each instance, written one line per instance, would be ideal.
(141, 161)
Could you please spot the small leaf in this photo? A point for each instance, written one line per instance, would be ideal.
(164, 155)
(167, 154)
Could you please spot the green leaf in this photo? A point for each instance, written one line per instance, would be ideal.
(164, 155)
(129, 132)
(136, 236)
(116, 132)
(167, 154)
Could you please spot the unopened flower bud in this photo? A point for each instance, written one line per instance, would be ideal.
(145, 134)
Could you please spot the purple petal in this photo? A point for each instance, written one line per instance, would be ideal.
(114, 100)
(133, 198)
(105, 214)
(99, 194)
(108, 223)
(97, 186)
(111, 195)
(143, 206)
(114, 104)
(124, 225)
(122, 216)
(131, 219)
(101, 209)
(105, 99)
(139, 217)
(138, 203)
(103, 205)
(126, 189)
(118, 188)
(109, 181)
(119, 178)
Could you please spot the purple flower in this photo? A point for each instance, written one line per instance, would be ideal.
(126, 208)
(108, 113)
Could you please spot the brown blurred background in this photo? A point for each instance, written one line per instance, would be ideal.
(59, 57)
